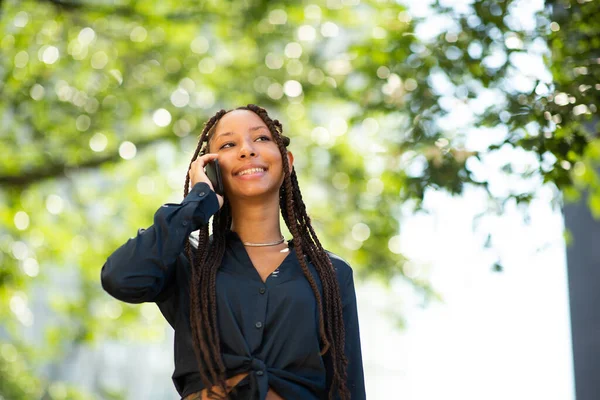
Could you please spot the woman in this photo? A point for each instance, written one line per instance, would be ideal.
(266, 319)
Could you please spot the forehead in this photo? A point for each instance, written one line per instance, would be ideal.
(238, 120)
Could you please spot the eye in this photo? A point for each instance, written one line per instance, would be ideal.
(224, 145)
(263, 137)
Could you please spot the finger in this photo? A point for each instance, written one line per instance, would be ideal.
(209, 156)
(206, 158)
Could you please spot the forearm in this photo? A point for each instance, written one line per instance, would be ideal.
(142, 267)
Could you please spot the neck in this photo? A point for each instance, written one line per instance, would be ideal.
(256, 221)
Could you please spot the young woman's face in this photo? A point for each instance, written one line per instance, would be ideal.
(249, 158)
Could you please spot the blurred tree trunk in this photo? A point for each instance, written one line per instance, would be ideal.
(583, 260)
(583, 253)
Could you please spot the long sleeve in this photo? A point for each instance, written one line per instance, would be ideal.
(356, 379)
(141, 269)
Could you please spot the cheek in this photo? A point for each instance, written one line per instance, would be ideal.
(275, 156)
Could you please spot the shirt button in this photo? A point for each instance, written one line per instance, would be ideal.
(260, 373)
(258, 325)
(184, 223)
(262, 290)
(201, 194)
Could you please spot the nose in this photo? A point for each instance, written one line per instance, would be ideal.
(247, 150)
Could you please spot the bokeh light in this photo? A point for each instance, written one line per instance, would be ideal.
(292, 88)
(83, 122)
(275, 91)
(49, 54)
(99, 60)
(98, 142)
(278, 17)
(361, 232)
(86, 36)
(312, 12)
(20, 250)
(180, 98)
(207, 65)
(273, 61)
(138, 34)
(293, 50)
(306, 33)
(199, 45)
(329, 29)
(31, 267)
(21, 59)
(316, 76)
(127, 150)
(55, 204)
(394, 244)
(37, 92)
(161, 117)
(375, 186)
(21, 19)
(21, 220)
(340, 180)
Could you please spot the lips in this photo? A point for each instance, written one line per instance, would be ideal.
(250, 169)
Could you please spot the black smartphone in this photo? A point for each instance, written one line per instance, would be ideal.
(213, 172)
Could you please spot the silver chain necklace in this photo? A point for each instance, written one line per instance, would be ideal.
(264, 244)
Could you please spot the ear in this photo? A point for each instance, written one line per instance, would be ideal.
(290, 158)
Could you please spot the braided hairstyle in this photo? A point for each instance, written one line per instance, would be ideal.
(209, 254)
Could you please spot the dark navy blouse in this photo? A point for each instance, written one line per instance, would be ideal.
(269, 330)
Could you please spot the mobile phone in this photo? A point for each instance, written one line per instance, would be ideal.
(213, 172)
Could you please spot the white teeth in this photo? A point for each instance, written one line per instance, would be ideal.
(251, 171)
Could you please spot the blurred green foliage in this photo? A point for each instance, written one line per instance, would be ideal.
(101, 104)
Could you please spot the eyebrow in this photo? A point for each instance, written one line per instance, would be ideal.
(253, 129)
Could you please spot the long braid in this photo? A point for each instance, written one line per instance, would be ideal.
(209, 255)
(217, 252)
(203, 337)
(331, 292)
(202, 319)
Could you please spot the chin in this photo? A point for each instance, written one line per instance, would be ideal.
(253, 192)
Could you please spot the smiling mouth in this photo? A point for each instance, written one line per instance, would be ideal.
(250, 171)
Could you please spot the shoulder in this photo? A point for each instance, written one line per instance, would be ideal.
(345, 278)
(342, 267)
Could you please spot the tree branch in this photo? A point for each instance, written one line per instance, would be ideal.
(127, 11)
(70, 5)
(57, 170)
